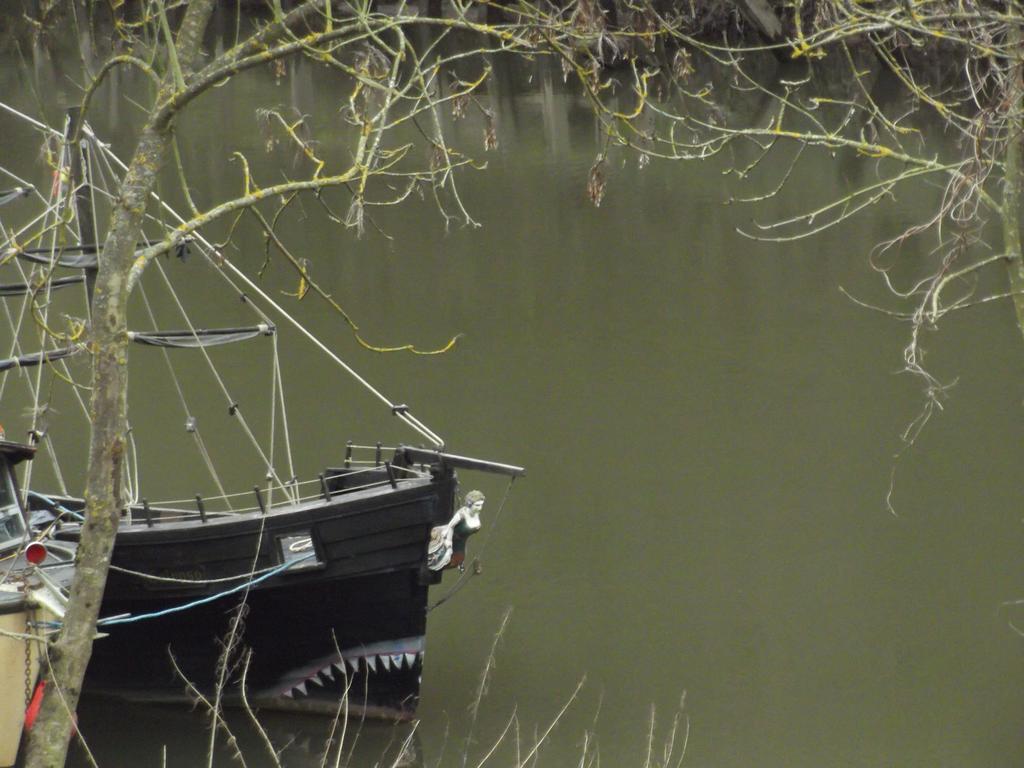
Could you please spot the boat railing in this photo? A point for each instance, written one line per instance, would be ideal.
(359, 475)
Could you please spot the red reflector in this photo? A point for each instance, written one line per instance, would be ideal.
(32, 713)
(33, 708)
(35, 553)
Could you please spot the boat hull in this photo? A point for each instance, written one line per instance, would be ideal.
(334, 597)
(301, 647)
(13, 619)
(19, 662)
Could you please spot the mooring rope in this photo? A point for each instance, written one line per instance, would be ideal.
(204, 600)
(189, 582)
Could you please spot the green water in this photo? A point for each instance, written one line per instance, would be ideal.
(709, 427)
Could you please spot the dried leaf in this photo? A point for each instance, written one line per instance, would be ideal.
(567, 67)
(682, 65)
(459, 104)
(589, 17)
(354, 217)
(490, 134)
(438, 158)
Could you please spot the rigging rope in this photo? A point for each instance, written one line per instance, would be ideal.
(190, 423)
(273, 425)
(131, 477)
(51, 219)
(16, 350)
(284, 417)
(209, 250)
(234, 408)
(100, 165)
(58, 191)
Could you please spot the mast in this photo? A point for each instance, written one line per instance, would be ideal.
(82, 199)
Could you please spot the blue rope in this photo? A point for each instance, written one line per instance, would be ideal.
(54, 505)
(202, 601)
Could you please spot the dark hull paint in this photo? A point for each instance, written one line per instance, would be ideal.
(294, 635)
(351, 617)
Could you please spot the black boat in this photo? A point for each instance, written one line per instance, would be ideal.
(336, 590)
(297, 595)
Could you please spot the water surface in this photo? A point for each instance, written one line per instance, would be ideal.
(708, 423)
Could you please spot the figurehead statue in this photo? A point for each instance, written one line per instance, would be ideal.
(448, 542)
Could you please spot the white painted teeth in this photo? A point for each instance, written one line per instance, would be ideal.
(377, 662)
(379, 658)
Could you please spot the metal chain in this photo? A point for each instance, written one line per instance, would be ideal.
(28, 662)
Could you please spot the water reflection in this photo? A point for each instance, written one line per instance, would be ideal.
(179, 738)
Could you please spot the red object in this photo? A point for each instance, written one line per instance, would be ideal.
(33, 709)
(33, 706)
(35, 553)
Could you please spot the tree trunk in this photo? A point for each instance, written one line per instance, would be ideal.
(69, 655)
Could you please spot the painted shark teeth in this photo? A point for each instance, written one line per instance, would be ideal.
(377, 663)
(376, 658)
